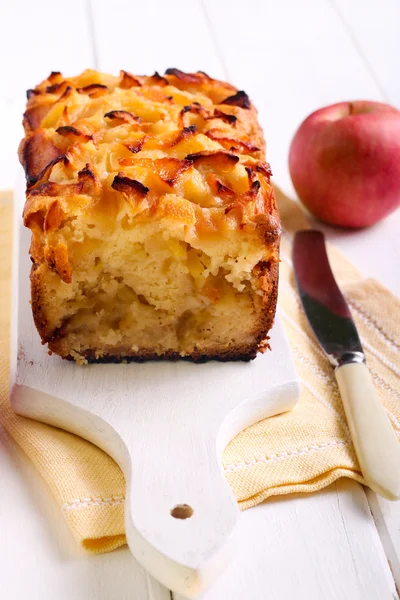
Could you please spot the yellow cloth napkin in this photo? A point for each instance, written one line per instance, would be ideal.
(300, 451)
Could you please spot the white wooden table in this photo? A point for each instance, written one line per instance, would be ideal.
(292, 57)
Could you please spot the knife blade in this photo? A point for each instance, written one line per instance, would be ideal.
(323, 302)
(374, 440)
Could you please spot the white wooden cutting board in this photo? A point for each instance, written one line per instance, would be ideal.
(166, 424)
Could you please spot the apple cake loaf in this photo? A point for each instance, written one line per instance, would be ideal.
(155, 232)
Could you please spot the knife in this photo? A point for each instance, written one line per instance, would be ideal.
(374, 439)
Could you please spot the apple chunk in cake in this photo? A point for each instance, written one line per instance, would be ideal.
(155, 232)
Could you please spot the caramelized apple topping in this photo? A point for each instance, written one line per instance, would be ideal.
(157, 79)
(218, 114)
(31, 92)
(33, 116)
(254, 188)
(183, 135)
(36, 153)
(169, 169)
(45, 174)
(66, 93)
(57, 259)
(129, 186)
(186, 77)
(192, 108)
(207, 114)
(128, 81)
(51, 188)
(54, 76)
(240, 99)
(265, 169)
(54, 217)
(94, 90)
(218, 187)
(237, 145)
(68, 130)
(250, 174)
(61, 86)
(123, 116)
(91, 182)
(216, 158)
(137, 145)
(87, 183)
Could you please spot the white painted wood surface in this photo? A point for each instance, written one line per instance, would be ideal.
(282, 537)
(374, 30)
(387, 519)
(292, 57)
(166, 426)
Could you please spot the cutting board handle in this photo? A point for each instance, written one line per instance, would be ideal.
(180, 526)
(180, 513)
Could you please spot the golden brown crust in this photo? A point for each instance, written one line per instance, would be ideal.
(96, 144)
(51, 139)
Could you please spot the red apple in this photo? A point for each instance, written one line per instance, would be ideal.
(344, 161)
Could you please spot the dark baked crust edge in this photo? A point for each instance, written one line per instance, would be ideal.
(237, 354)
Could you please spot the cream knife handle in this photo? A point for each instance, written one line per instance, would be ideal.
(374, 439)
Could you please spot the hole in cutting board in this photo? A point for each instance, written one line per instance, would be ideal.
(182, 511)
